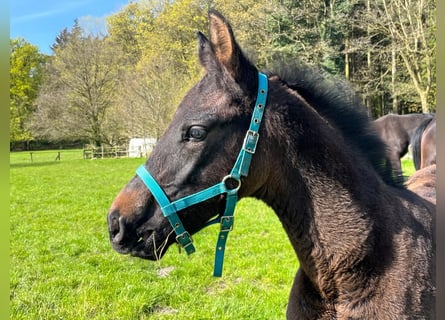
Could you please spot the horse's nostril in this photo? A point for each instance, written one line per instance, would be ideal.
(116, 226)
(113, 222)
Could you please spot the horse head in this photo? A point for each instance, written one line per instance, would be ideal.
(198, 150)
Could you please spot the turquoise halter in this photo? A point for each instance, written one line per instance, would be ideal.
(241, 168)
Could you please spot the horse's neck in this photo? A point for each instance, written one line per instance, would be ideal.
(325, 203)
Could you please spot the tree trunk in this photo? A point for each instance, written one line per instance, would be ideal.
(424, 102)
(347, 71)
(395, 102)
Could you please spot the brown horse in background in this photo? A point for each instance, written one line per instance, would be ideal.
(423, 144)
(365, 244)
(396, 131)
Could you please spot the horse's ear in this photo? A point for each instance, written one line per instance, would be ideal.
(207, 57)
(227, 51)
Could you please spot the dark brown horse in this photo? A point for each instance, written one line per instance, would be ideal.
(366, 245)
(396, 131)
(423, 144)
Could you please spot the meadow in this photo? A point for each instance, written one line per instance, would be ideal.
(63, 267)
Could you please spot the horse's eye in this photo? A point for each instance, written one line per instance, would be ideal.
(197, 133)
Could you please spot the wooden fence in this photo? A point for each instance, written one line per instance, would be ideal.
(105, 152)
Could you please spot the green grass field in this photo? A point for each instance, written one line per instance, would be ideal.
(63, 267)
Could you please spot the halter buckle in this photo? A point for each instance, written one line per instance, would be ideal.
(226, 223)
(184, 239)
(250, 141)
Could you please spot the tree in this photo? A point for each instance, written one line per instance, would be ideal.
(66, 35)
(310, 31)
(396, 55)
(129, 82)
(149, 98)
(411, 27)
(26, 65)
(128, 27)
(80, 88)
(159, 37)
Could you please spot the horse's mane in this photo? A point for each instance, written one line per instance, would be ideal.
(336, 101)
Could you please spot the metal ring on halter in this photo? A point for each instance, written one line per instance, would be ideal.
(238, 180)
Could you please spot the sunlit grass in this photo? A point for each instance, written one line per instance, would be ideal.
(63, 266)
(408, 166)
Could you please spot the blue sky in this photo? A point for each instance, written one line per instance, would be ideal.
(39, 22)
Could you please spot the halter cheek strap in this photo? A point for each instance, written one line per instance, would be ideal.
(240, 169)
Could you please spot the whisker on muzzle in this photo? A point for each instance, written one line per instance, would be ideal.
(158, 252)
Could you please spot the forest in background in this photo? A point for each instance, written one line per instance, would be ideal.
(103, 89)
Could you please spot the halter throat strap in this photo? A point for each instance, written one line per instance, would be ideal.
(240, 169)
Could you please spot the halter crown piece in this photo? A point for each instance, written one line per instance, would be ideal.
(241, 168)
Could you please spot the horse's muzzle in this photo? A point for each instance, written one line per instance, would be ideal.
(117, 232)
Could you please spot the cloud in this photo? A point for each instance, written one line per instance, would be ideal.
(51, 11)
(37, 15)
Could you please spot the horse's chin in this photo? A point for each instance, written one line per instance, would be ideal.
(151, 245)
(145, 253)
(147, 244)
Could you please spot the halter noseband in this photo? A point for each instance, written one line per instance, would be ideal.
(241, 168)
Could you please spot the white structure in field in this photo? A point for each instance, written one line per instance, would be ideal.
(140, 147)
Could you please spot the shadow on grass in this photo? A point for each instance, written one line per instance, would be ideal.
(34, 164)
